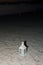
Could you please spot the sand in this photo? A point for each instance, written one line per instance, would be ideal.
(10, 41)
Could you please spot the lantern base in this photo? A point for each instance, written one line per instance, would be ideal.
(23, 54)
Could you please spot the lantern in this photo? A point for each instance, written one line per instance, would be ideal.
(22, 49)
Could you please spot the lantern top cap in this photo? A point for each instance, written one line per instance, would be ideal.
(22, 46)
(22, 43)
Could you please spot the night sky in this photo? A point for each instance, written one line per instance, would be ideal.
(21, 14)
(19, 0)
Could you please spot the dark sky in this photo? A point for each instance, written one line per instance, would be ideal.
(19, 8)
(17, 0)
(32, 18)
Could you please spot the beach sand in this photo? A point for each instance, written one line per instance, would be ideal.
(11, 39)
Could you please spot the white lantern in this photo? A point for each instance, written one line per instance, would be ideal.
(22, 49)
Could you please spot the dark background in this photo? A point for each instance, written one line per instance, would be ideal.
(10, 17)
(21, 1)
